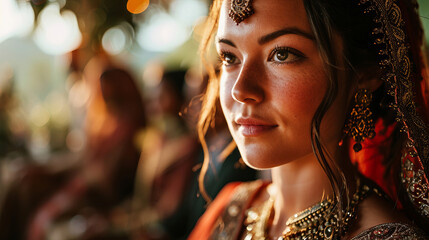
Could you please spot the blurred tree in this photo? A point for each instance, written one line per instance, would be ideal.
(424, 17)
(95, 17)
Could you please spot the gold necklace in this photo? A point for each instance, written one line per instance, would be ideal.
(316, 222)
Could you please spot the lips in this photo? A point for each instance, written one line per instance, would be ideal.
(252, 127)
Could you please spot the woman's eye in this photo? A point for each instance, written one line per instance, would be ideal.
(281, 56)
(285, 55)
(228, 58)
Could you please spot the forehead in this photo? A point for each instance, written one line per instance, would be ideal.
(270, 15)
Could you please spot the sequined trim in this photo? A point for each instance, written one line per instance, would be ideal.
(415, 181)
(229, 224)
(398, 75)
(390, 231)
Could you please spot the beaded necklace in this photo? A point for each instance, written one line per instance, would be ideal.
(316, 222)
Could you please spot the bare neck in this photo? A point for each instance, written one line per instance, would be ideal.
(298, 185)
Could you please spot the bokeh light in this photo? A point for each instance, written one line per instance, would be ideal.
(152, 74)
(165, 31)
(39, 116)
(118, 38)
(114, 40)
(15, 19)
(75, 140)
(57, 33)
(162, 33)
(187, 12)
(79, 94)
(137, 6)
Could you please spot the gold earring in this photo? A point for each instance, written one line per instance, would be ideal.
(360, 124)
(240, 10)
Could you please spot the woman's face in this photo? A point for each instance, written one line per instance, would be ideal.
(272, 81)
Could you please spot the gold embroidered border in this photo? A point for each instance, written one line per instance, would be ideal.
(229, 224)
(398, 75)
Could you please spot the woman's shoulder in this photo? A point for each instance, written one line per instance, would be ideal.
(392, 231)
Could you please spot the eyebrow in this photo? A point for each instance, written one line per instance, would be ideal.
(226, 41)
(271, 36)
(285, 31)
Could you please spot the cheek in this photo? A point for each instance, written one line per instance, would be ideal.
(301, 94)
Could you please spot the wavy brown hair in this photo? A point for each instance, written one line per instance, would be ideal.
(328, 19)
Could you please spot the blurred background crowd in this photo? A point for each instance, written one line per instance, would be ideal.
(99, 101)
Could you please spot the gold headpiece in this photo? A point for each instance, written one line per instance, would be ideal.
(240, 10)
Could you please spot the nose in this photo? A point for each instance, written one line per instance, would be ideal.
(248, 86)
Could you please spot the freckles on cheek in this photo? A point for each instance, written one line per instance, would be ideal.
(302, 95)
(301, 103)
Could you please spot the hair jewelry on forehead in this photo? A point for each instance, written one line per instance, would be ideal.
(240, 10)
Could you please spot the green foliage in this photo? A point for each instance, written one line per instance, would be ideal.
(424, 17)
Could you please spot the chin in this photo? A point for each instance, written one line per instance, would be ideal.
(265, 158)
(259, 163)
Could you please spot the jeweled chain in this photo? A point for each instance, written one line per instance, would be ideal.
(325, 224)
(316, 222)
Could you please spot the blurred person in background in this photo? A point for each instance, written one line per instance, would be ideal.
(168, 155)
(80, 203)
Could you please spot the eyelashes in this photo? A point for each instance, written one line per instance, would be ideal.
(227, 58)
(279, 55)
(285, 55)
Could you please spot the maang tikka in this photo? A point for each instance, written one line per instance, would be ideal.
(240, 10)
(360, 124)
